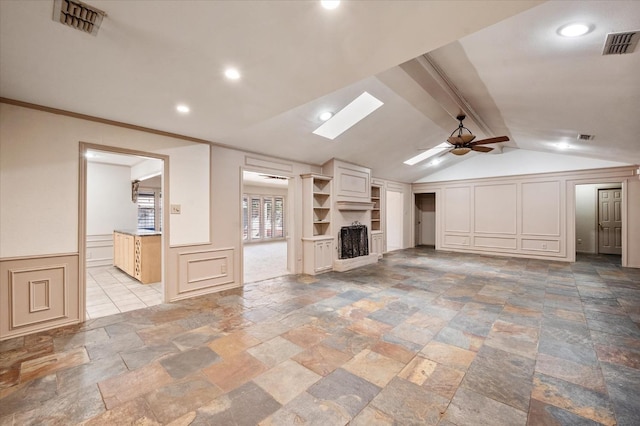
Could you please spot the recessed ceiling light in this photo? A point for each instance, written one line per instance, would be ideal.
(427, 154)
(326, 115)
(348, 116)
(232, 74)
(563, 145)
(183, 109)
(574, 30)
(330, 4)
(436, 161)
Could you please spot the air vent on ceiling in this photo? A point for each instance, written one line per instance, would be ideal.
(78, 15)
(620, 43)
(583, 137)
(274, 177)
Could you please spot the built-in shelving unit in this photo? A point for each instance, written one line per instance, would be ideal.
(375, 211)
(317, 242)
(321, 187)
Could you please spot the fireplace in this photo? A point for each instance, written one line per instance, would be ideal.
(353, 241)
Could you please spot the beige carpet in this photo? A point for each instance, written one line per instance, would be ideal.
(265, 260)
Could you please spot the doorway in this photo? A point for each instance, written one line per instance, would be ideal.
(425, 216)
(122, 231)
(264, 226)
(599, 226)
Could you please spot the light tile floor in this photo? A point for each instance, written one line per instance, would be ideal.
(110, 291)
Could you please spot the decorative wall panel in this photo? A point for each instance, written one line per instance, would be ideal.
(352, 182)
(552, 246)
(456, 240)
(495, 209)
(200, 270)
(457, 209)
(541, 208)
(268, 164)
(38, 294)
(496, 242)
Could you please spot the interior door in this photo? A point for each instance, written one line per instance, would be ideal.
(610, 221)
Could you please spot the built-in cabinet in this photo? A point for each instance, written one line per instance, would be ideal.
(375, 211)
(139, 256)
(377, 236)
(317, 241)
(377, 243)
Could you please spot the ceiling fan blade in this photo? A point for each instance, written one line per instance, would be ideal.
(482, 148)
(490, 140)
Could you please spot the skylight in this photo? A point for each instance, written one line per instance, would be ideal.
(348, 116)
(427, 154)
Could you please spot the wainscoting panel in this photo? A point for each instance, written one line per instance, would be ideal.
(496, 242)
(38, 293)
(495, 209)
(200, 270)
(457, 209)
(548, 246)
(456, 240)
(541, 208)
(99, 250)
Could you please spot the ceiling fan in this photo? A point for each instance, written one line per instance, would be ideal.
(463, 142)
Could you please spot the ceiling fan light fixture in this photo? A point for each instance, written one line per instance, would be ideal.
(467, 137)
(460, 150)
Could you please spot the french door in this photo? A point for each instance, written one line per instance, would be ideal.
(263, 217)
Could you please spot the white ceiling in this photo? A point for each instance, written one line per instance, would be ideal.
(298, 59)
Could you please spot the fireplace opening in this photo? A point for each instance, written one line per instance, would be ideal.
(353, 241)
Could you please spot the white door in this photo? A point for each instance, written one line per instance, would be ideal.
(395, 202)
(610, 221)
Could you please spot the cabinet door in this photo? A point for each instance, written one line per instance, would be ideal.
(319, 256)
(128, 254)
(328, 254)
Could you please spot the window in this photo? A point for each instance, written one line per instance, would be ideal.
(149, 210)
(262, 217)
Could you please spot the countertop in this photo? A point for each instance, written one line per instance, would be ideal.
(138, 232)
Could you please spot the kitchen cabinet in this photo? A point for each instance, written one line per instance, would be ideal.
(138, 254)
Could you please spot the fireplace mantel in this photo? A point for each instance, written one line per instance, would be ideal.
(354, 205)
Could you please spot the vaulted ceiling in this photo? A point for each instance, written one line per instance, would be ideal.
(502, 63)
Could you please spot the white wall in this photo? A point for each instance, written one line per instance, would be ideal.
(265, 190)
(528, 216)
(146, 168)
(514, 162)
(39, 163)
(109, 204)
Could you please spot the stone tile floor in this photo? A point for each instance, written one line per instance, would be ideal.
(423, 337)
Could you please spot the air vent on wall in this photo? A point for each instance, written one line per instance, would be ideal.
(620, 43)
(583, 137)
(78, 15)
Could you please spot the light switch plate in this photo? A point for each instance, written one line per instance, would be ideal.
(175, 208)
